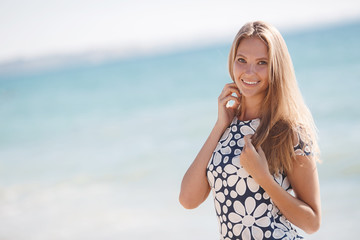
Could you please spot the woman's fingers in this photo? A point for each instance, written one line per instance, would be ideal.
(226, 99)
(230, 88)
(230, 92)
(248, 145)
(261, 152)
(226, 107)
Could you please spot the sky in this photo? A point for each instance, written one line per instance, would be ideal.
(40, 28)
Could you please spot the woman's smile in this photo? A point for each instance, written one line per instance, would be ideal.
(250, 82)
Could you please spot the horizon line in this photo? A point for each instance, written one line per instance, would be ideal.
(99, 56)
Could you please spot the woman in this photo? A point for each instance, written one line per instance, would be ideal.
(261, 148)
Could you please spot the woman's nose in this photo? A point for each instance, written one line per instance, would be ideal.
(250, 69)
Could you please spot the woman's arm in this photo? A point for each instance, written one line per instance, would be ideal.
(305, 183)
(304, 210)
(195, 187)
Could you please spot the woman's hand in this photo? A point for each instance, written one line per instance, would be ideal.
(303, 209)
(254, 161)
(227, 113)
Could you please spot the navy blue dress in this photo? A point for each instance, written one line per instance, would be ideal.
(243, 208)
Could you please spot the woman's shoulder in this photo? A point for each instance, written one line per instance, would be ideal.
(301, 141)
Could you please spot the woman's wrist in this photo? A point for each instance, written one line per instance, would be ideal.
(221, 125)
(267, 182)
(219, 128)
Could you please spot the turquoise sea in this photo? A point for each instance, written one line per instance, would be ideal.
(98, 150)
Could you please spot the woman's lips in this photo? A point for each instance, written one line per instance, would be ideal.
(250, 82)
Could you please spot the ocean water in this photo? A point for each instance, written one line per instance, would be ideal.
(98, 151)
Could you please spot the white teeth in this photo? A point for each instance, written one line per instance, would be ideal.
(251, 83)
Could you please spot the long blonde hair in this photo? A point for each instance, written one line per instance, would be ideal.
(284, 115)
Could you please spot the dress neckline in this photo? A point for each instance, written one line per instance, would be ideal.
(246, 121)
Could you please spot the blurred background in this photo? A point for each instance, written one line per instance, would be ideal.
(104, 105)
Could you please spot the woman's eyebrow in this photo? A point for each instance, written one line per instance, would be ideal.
(259, 58)
(240, 55)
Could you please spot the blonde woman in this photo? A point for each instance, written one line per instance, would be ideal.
(261, 148)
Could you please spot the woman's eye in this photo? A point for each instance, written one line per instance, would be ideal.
(262, 63)
(241, 60)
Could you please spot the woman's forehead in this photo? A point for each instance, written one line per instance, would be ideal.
(252, 46)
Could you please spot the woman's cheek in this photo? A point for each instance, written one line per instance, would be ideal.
(237, 70)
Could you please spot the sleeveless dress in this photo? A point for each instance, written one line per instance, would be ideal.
(243, 208)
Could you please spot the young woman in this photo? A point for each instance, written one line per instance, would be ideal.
(261, 148)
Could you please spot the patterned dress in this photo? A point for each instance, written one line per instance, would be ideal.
(243, 208)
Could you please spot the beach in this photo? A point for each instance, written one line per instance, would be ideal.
(98, 150)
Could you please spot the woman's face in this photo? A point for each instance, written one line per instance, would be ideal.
(251, 68)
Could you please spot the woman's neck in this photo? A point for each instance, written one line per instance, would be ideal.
(250, 109)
